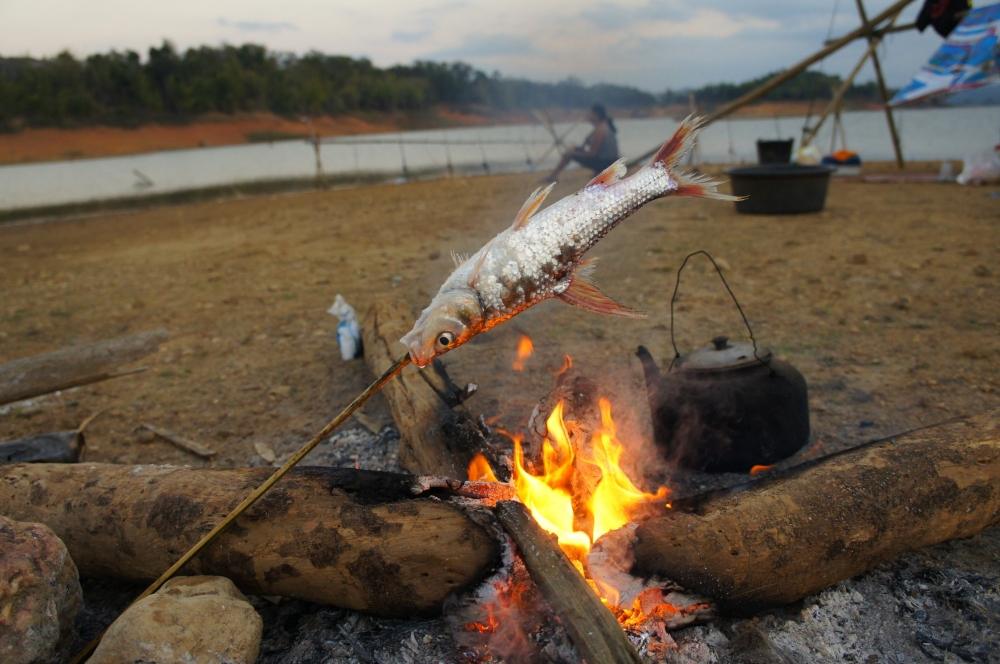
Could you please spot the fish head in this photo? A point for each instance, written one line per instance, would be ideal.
(452, 318)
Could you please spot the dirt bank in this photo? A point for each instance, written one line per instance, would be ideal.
(31, 145)
(886, 302)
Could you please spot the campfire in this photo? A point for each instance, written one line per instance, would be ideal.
(577, 490)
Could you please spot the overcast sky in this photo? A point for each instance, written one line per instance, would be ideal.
(650, 44)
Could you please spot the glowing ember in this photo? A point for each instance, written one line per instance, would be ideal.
(580, 492)
(524, 350)
(757, 470)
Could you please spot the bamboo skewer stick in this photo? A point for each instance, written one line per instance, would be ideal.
(256, 494)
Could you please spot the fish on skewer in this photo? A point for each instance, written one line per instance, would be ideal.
(541, 255)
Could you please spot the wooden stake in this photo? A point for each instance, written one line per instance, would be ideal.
(593, 628)
(437, 435)
(873, 43)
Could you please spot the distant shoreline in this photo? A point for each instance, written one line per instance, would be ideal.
(33, 145)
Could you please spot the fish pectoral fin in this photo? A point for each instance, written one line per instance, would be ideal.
(611, 174)
(531, 206)
(582, 293)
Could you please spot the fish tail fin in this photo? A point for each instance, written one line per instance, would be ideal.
(677, 146)
(700, 185)
(675, 149)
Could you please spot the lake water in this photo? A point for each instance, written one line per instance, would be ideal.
(936, 134)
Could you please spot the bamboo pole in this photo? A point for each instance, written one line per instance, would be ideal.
(838, 98)
(873, 43)
(809, 134)
(791, 72)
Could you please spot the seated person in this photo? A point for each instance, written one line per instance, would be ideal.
(599, 150)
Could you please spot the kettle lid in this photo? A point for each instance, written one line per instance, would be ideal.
(723, 354)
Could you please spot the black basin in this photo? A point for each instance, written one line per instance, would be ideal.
(775, 151)
(780, 188)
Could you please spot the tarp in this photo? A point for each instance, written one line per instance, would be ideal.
(969, 58)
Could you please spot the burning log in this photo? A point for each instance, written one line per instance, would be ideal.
(796, 534)
(437, 436)
(353, 539)
(592, 627)
(71, 367)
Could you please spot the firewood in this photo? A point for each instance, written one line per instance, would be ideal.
(437, 435)
(591, 625)
(804, 531)
(348, 538)
(74, 366)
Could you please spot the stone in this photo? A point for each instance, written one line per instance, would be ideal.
(190, 620)
(40, 592)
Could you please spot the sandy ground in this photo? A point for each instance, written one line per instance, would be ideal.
(886, 302)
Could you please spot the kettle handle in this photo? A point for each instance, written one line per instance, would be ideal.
(673, 300)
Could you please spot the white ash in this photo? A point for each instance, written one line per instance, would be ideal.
(941, 604)
(353, 447)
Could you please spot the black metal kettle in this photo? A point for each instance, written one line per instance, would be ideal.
(728, 406)
(724, 408)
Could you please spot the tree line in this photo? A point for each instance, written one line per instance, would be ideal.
(121, 87)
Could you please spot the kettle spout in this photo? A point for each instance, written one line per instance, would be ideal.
(650, 371)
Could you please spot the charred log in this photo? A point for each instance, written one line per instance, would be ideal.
(55, 447)
(592, 627)
(347, 538)
(799, 533)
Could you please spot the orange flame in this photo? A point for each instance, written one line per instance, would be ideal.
(480, 470)
(524, 350)
(566, 365)
(615, 496)
(757, 470)
(578, 494)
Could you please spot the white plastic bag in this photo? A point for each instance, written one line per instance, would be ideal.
(980, 168)
(348, 330)
(808, 155)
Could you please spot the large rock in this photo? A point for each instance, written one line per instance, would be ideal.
(191, 619)
(39, 592)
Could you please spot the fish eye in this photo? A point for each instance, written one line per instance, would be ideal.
(445, 339)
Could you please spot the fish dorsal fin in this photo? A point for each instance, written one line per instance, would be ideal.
(531, 205)
(458, 258)
(582, 293)
(610, 175)
(474, 275)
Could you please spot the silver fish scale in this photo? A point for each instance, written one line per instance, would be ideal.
(529, 264)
